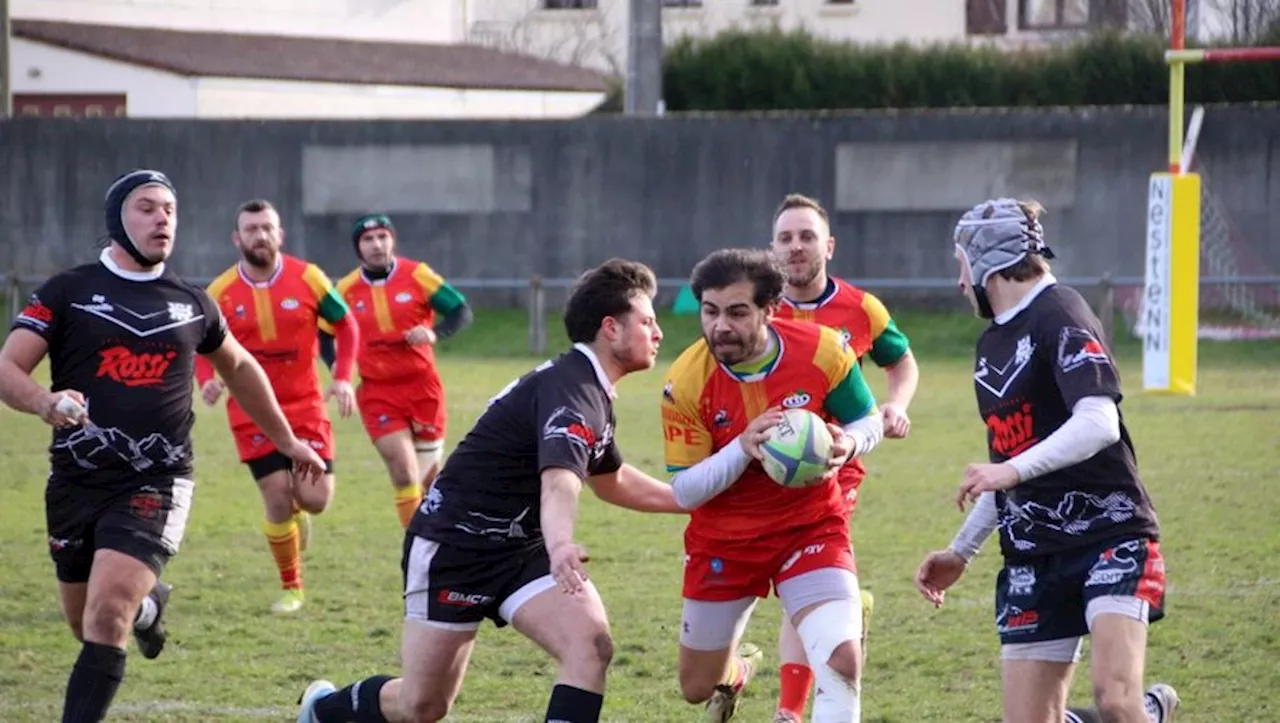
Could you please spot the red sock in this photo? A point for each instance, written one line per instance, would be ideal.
(796, 680)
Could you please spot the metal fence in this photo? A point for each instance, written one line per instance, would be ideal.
(1102, 290)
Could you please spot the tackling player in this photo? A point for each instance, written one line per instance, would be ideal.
(121, 335)
(1077, 529)
(273, 303)
(396, 301)
(748, 533)
(803, 243)
(495, 537)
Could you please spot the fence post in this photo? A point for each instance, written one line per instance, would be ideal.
(537, 317)
(15, 297)
(1107, 309)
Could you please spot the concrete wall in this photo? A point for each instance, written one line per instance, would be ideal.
(491, 199)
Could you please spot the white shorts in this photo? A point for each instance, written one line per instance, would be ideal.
(708, 626)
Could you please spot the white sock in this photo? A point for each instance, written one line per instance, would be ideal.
(146, 614)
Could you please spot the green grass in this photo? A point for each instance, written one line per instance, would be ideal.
(1210, 462)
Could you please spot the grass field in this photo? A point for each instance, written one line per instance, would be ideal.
(1211, 463)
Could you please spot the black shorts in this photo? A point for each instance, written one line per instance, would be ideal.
(1047, 599)
(275, 461)
(144, 519)
(456, 588)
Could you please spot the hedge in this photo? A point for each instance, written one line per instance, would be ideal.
(767, 70)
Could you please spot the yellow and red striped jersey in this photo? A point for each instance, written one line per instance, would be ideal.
(859, 316)
(411, 295)
(276, 321)
(706, 405)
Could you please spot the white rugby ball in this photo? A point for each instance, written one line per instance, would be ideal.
(796, 453)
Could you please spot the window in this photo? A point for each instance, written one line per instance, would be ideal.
(569, 4)
(93, 110)
(1053, 14)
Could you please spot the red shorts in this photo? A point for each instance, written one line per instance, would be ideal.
(736, 570)
(850, 479)
(251, 443)
(413, 405)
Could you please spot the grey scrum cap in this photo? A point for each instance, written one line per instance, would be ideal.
(995, 235)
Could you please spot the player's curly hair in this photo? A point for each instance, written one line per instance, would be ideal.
(727, 267)
(606, 290)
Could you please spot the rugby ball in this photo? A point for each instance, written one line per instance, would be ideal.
(796, 453)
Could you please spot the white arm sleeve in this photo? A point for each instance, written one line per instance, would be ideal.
(866, 433)
(977, 527)
(693, 487)
(1093, 426)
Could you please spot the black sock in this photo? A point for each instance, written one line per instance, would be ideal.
(1083, 715)
(573, 705)
(93, 683)
(356, 703)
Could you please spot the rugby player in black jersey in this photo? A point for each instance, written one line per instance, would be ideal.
(1078, 532)
(121, 335)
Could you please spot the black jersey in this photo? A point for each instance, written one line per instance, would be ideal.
(127, 342)
(489, 493)
(1030, 372)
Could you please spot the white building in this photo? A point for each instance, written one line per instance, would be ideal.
(410, 58)
(277, 59)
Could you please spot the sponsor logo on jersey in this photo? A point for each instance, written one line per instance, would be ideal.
(289, 304)
(37, 314)
(1078, 347)
(565, 423)
(404, 297)
(1014, 432)
(122, 364)
(463, 599)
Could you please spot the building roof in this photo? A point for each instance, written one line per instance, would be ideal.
(328, 60)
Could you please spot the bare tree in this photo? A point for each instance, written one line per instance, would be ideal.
(585, 38)
(1151, 16)
(1245, 21)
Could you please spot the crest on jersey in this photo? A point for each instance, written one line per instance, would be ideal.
(997, 379)
(404, 297)
(1078, 347)
(180, 312)
(797, 400)
(289, 304)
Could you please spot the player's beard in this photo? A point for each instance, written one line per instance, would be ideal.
(806, 275)
(733, 349)
(259, 258)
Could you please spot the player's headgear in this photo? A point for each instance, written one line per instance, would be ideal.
(117, 193)
(993, 236)
(368, 222)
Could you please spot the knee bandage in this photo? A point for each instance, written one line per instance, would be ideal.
(428, 454)
(823, 630)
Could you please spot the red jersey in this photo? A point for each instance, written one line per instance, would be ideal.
(705, 406)
(859, 316)
(276, 321)
(411, 295)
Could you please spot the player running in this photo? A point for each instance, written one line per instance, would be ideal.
(494, 538)
(396, 302)
(803, 243)
(1077, 529)
(121, 335)
(273, 303)
(747, 533)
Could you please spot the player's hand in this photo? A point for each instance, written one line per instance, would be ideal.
(758, 432)
(897, 425)
(939, 571)
(567, 566)
(307, 465)
(211, 390)
(64, 409)
(346, 396)
(420, 336)
(979, 478)
(842, 449)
